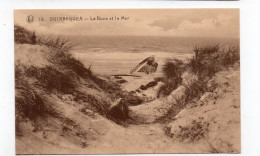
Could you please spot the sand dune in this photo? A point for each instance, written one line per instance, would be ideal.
(64, 107)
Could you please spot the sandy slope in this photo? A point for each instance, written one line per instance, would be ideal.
(215, 122)
(68, 127)
(216, 115)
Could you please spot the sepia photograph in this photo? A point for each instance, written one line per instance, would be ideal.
(127, 81)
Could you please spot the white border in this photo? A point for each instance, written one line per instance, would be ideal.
(250, 55)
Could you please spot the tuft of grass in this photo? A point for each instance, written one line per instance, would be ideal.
(107, 86)
(175, 106)
(203, 64)
(63, 44)
(27, 102)
(195, 89)
(231, 56)
(172, 71)
(192, 132)
(210, 59)
(172, 68)
(60, 49)
(96, 105)
(51, 79)
(166, 88)
(59, 46)
(67, 61)
(202, 50)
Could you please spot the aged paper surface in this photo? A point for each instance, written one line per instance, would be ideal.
(127, 81)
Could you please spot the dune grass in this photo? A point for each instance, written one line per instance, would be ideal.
(210, 59)
(172, 71)
(51, 79)
(206, 62)
(61, 43)
(230, 56)
(28, 102)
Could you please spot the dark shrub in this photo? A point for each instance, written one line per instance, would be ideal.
(120, 111)
(121, 81)
(158, 79)
(148, 85)
(28, 103)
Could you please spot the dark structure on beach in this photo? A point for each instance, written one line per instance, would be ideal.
(147, 66)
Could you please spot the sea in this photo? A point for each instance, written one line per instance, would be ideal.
(108, 55)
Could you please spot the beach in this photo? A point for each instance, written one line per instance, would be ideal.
(118, 55)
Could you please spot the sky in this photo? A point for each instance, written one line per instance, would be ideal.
(135, 22)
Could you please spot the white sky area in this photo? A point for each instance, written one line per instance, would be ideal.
(141, 22)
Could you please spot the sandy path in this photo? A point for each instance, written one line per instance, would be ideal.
(148, 138)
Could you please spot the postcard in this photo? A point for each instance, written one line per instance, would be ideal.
(127, 81)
